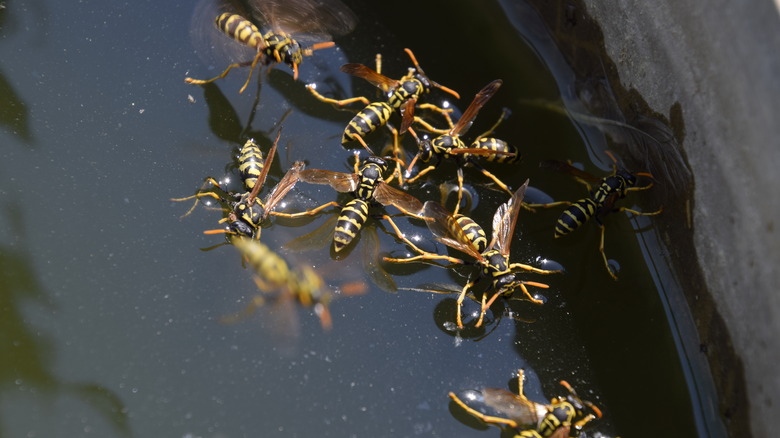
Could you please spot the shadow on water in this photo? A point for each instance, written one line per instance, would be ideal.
(27, 359)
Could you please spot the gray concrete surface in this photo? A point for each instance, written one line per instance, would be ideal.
(721, 61)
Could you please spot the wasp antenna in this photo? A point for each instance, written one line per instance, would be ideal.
(219, 231)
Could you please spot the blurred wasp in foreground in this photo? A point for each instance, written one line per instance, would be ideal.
(367, 185)
(402, 94)
(450, 145)
(247, 213)
(306, 19)
(463, 234)
(600, 202)
(533, 420)
(291, 283)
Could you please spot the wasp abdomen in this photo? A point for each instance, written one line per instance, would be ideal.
(497, 145)
(351, 220)
(250, 164)
(474, 233)
(240, 29)
(574, 216)
(367, 121)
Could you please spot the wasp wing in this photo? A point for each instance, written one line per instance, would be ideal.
(307, 19)
(378, 80)
(505, 219)
(564, 167)
(446, 229)
(388, 195)
(523, 411)
(340, 181)
(283, 187)
(471, 112)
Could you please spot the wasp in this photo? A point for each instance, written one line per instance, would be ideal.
(450, 145)
(402, 94)
(274, 274)
(367, 185)
(535, 420)
(465, 235)
(307, 19)
(601, 200)
(247, 213)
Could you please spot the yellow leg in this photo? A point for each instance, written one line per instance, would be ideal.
(604, 254)
(424, 255)
(531, 268)
(421, 173)
(497, 181)
(336, 102)
(311, 212)
(460, 191)
(504, 115)
(459, 318)
(485, 418)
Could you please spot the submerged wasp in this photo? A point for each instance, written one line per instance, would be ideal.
(531, 419)
(247, 212)
(288, 22)
(367, 185)
(402, 94)
(600, 202)
(450, 145)
(463, 234)
(274, 274)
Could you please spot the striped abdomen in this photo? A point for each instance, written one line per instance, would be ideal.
(443, 144)
(472, 232)
(241, 30)
(250, 163)
(351, 219)
(496, 145)
(270, 267)
(575, 215)
(367, 121)
(409, 88)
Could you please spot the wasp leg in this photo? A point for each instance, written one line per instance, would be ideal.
(639, 213)
(485, 418)
(531, 268)
(423, 255)
(549, 204)
(336, 102)
(504, 115)
(459, 318)
(197, 197)
(495, 179)
(311, 212)
(419, 174)
(604, 254)
(257, 302)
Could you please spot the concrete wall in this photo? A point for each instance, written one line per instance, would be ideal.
(720, 60)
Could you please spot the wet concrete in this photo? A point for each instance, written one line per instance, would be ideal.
(710, 70)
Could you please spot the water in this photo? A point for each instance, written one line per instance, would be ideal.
(110, 310)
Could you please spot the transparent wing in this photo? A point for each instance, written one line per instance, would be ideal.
(306, 19)
(519, 409)
(283, 187)
(341, 182)
(471, 112)
(388, 195)
(505, 219)
(370, 75)
(447, 231)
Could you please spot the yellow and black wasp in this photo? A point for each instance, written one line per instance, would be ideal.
(450, 145)
(247, 213)
(561, 418)
(287, 22)
(601, 201)
(299, 283)
(367, 185)
(465, 235)
(402, 94)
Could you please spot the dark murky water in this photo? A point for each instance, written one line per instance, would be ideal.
(110, 310)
